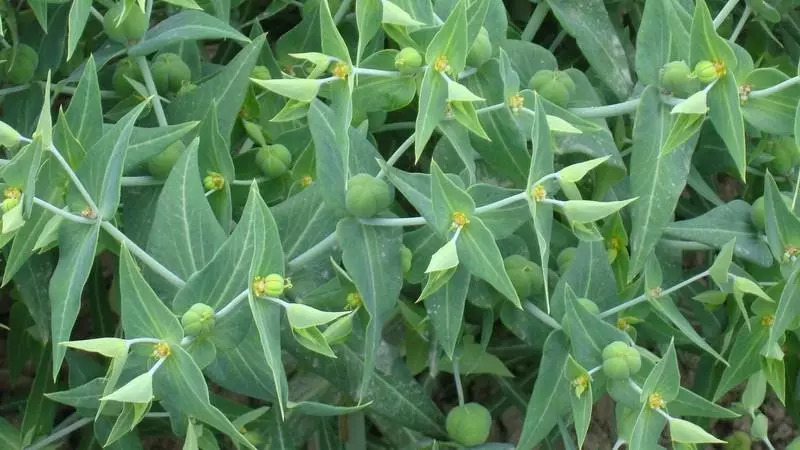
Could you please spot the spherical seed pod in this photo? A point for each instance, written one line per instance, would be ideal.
(170, 72)
(540, 78)
(469, 424)
(616, 368)
(633, 359)
(131, 28)
(525, 275)
(366, 195)
(616, 349)
(564, 259)
(589, 305)
(705, 71)
(405, 258)
(125, 68)
(481, 50)
(260, 73)
(273, 160)
(556, 92)
(198, 319)
(274, 285)
(676, 77)
(408, 60)
(564, 78)
(160, 165)
(18, 63)
(757, 211)
(785, 155)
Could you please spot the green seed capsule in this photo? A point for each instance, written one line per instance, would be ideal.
(469, 424)
(260, 73)
(273, 160)
(481, 50)
(199, 319)
(564, 259)
(132, 27)
(705, 71)
(757, 211)
(170, 72)
(366, 195)
(525, 275)
(271, 285)
(405, 258)
(160, 165)
(408, 60)
(676, 78)
(620, 360)
(18, 64)
(554, 86)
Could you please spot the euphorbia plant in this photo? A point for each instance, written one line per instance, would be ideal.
(383, 223)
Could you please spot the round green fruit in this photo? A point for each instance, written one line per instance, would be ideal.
(705, 71)
(620, 360)
(405, 258)
(540, 78)
(552, 86)
(131, 28)
(170, 72)
(408, 60)
(676, 77)
(260, 73)
(589, 305)
(525, 275)
(757, 211)
(616, 369)
(469, 424)
(564, 78)
(739, 440)
(274, 160)
(125, 68)
(481, 49)
(160, 165)
(199, 319)
(366, 195)
(18, 64)
(564, 259)
(785, 155)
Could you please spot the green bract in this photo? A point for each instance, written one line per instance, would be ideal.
(160, 165)
(469, 424)
(198, 320)
(408, 60)
(18, 64)
(273, 160)
(367, 195)
(170, 72)
(131, 27)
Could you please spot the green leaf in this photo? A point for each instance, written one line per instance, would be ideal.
(725, 112)
(688, 433)
(664, 379)
(719, 226)
(476, 360)
(84, 115)
(227, 88)
(585, 211)
(690, 404)
(394, 15)
(646, 429)
(705, 43)
(38, 416)
(575, 172)
(332, 42)
(368, 20)
(656, 179)
(77, 243)
(683, 128)
(180, 383)
(432, 101)
(371, 256)
(444, 259)
(323, 410)
(541, 165)
(148, 142)
(138, 390)
(313, 339)
(450, 41)
(303, 221)
(185, 26)
(667, 309)
(549, 399)
(300, 89)
(446, 310)
(84, 396)
(479, 253)
(185, 234)
(787, 311)
(331, 156)
(659, 41)
(213, 155)
(143, 313)
(782, 225)
(744, 358)
(245, 370)
(588, 334)
(9, 436)
(581, 413)
(101, 173)
(304, 316)
(695, 104)
(110, 347)
(588, 22)
(448, 199)
(774, 113)
(78, 15)
(590, 276)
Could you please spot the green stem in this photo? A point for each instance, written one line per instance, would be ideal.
(740, 25)
(566, 437)
(66, 431)
(14, 89)
(344, 7)
(394, 221)
(396, 155)
(142, 255)
(541, 315)
(535, 21)
(457, 379)
(141, 181)
(645, 296)
(232, 304)
(776, 88)
(318, 249)
(147, 76)
(396, 126)
(65, 214)
(724, 12)
(617, 109)
(74, 177)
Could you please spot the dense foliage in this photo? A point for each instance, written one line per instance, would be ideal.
(387, 223)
